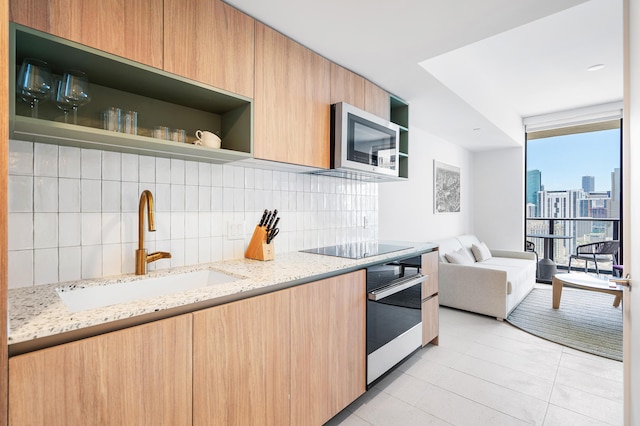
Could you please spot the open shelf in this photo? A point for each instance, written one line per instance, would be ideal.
(400, 116)
(161, 99)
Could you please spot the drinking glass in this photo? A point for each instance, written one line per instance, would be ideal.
(34, 83)
(76, 91)
(61, 102)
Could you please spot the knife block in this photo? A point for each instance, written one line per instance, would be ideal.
(258, 248)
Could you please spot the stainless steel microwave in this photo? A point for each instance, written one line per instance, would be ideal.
(363, 143)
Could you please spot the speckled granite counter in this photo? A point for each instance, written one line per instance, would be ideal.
(38, 312)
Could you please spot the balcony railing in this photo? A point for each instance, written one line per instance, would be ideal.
(581, 231)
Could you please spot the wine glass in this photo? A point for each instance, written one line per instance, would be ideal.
(34, 83)
(60, 100)
(75, 91)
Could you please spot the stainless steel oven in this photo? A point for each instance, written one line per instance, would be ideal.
(394, 314)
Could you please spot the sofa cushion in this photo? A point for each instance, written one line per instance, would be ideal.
(448, 245)
(459, 257)
(467, 241)
(481, 252)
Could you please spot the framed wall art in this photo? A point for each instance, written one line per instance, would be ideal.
(446, 188)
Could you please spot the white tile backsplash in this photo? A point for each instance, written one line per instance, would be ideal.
(147, 167)
(70, 263)
(111, 165)
(20, 231)
(69, 162)
(45, 160)
(69, 195)
(20, 194)
(20, 268)
(45, 230)
(73, 213)
(90, 195)
(177, 171)
(20, 158)
(90, 164)
(45, 198)
(130, 168)
(69, 229)
(111, 195)
(46, 270)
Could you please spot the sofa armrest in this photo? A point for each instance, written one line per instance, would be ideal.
(473, 288)
(529, 255)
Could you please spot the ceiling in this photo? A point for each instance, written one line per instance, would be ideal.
(471, 70)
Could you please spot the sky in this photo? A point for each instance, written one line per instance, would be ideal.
(563, 160)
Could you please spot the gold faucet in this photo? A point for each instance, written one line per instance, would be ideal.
(142, 258)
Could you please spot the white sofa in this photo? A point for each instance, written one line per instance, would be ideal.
(493, 287)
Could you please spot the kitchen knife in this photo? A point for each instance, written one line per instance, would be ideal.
(267, 218)
(264, 216)
(270, 222)
(275, 224)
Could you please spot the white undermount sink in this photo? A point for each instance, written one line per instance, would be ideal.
(82, 299)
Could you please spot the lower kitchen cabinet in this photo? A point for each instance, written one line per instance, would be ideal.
(140, 375)
(295, 356)
(328, 347)
(430, 301)
(241, 365)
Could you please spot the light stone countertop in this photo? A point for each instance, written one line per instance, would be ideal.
(38, 312)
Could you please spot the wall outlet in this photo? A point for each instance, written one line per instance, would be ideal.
(235, 231)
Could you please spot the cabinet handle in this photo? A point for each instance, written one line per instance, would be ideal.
(396, 286)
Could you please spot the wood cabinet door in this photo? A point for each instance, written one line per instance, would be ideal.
(376, 100)
(140, 375)
(131, 29)
(430, 268)
(346, 86)
(328, 347)
(430, 321)
(211, 42)
(241, 362)
(291, 102)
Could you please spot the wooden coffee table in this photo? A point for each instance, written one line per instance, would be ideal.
(585, 282)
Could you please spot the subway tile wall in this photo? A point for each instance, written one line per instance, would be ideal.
(73, 213)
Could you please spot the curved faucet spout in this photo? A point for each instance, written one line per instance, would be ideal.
(145, 198)
(142, 259)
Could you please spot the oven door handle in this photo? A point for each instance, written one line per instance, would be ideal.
(396, 286)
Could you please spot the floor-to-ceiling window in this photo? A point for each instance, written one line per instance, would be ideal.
(573, 178)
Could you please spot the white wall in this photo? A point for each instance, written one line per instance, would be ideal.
(499, 198)
(406, 208)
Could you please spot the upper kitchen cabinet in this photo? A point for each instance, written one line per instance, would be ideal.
(376, 100)
(347, 86)
(131, 29)
(291, 102)
(211, 42)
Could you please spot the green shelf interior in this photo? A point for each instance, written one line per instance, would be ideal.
(161, 99)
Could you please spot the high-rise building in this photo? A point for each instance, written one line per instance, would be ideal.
(560, 204)
(614, 210)
(588, 183)
(534, 185)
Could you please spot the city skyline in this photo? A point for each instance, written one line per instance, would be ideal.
(564, 160)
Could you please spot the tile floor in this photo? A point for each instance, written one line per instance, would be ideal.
(487, 372)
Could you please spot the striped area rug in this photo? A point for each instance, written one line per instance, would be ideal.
(586, 320)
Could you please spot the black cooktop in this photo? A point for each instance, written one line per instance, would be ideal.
(357, 250)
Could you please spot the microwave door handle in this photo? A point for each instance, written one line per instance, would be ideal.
(395, 287)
